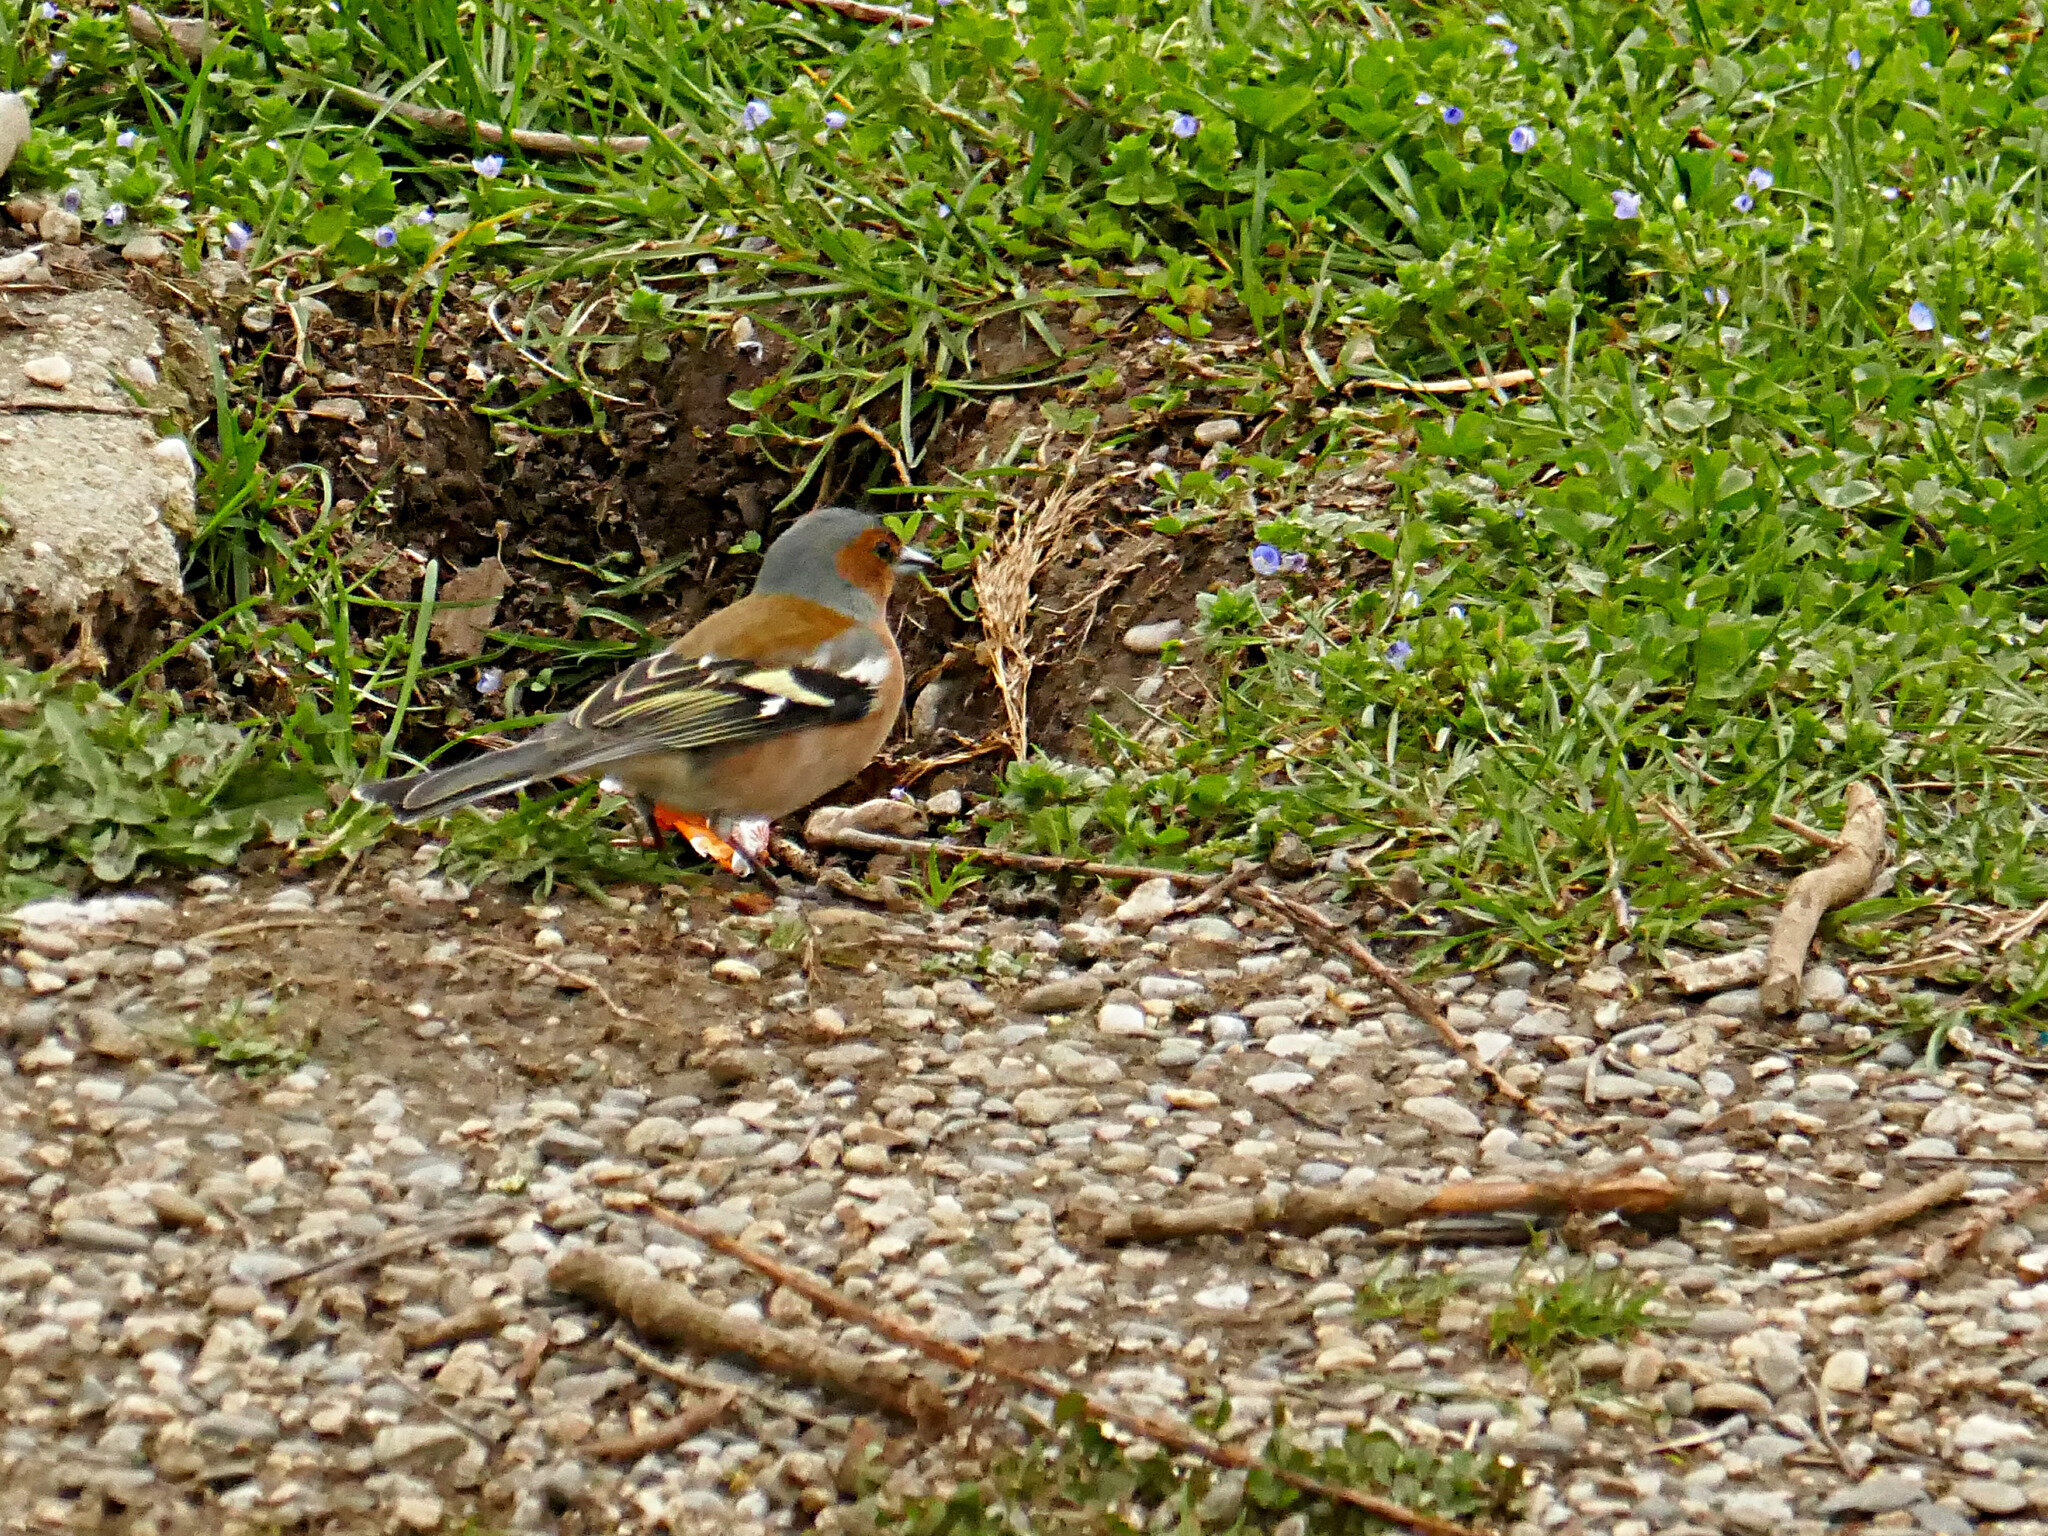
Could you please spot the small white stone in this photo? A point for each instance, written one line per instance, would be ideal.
(1152, 902)
(52, 372)
(1219, 429)
(1231, 1296)
(548, 939)
(1447, 1115)
(1151, 639)
(1847, 1370)
(735, 970)
(1275, 1083)
(1122, 1019)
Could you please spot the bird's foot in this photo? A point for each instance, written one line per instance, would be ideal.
(738, 846)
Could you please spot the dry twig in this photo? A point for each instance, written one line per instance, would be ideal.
(682, 1376)
(1175, 1437)
(402, 1242)
(1389, 1202)
(686, 1425)
(1944, 1251)
(1811, 1236)
(665, 1310)
(456, 125)
(1702, 850)
(858, 841)
(1508, 380)
(1323, 933)
(1717, 973)
(1859, 855)
(566, 977)
(862, 10)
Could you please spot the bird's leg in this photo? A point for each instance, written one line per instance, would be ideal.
(707, 843)
(650, 817)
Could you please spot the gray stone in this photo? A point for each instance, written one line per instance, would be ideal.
(102, 1236)
(1443, 1114)
(559, 1144)
(1875, 1495)
(1720, 1322)
(251, 1426)
(1067, 995)
(1991, 1496)
(417, 1447)
(1151, 639)
(1152, 902)
(1944, 1520)
(1730, 1397)
(14, 126)
(260, 1266)
(1846, 1371)
(1757, 1510)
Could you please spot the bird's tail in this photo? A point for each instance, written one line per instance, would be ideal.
(423, 796)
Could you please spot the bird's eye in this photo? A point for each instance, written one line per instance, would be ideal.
(884, 551)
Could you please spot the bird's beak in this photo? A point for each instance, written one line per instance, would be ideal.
(911, 558)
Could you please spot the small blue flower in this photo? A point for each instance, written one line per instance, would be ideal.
(1889, 194)
(755, 114)
(489, 681)
(1185, 125)
(386, 237)
(1855, 58)
(125, 138)
(1456, 610)
(71, 199)
(1626, 204)
(239, 236)
(488, 166)
(944, 209)
(47, 10)
(1522, 139)
(1920, 317)
(1454, 116)
(1496, 20)
(1718, 297)
(1424, 99)
(1760, 179)
(59, 59)
(835, 120)
(424, 216)
(1294, 562)
(1917, 8)
(1265, 560)
(1508, 46)
(116, 214)
(1744, 202)
(1398, 654)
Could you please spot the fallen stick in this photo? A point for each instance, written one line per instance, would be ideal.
(1323, 933)
(1810, 1236)
(1944, 1251)
(1395, 1202)
(687, 1425)
(668, 1370)
(1175, 1437)
(1856, 861)
(568, 978)
(1506, 380)
(1702, 850)
(401, 1242)
(451, 124)
(858, 841)
(1218, 890)
(1717, 973)
(666, 1311)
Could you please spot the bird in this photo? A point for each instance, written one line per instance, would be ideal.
(755, 712)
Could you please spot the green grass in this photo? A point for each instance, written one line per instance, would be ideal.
(1584, 1305)
(1773, 522)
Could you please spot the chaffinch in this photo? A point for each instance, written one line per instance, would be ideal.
(756, 712)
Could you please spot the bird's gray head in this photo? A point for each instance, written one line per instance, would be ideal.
(844, 559)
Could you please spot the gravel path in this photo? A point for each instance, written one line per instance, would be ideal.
(912, 1106)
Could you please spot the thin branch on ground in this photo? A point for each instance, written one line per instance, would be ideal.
(1944, 1251)
(1323, 933)
(402, 1242)
(682, 1376)
(1173, 1436)
(686, 1425)
(857, 841)
(863, 10)
(1388, 1202)
(667, 1311)
(1811, 1236)
(1508, 380)
(566, 977)
(1858, 856)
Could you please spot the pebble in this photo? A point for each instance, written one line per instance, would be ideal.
(1878, 1494)
(1444, 1114)
(52, 372)
(1151, 639)
(1152, 902)
(102, 1236)
(1847, 1371)
(1991, 1496)
(1068, 995)
(1218, 429)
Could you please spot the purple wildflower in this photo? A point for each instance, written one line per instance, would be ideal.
(1453, 116)
(1185, 125)
(755, 114)
(488, 166)
(1265, 560)
(386, 237)
(1522, 139)
(1627, 205)
(1920, 317)
(835, 120)
(1744, 202)
(1398, 654)
(489, 681)
(238, 238)
(1855, 58)
(1918, 8)
(116, 214)
(125, 138)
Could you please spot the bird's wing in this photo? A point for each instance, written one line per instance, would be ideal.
(677, 701)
